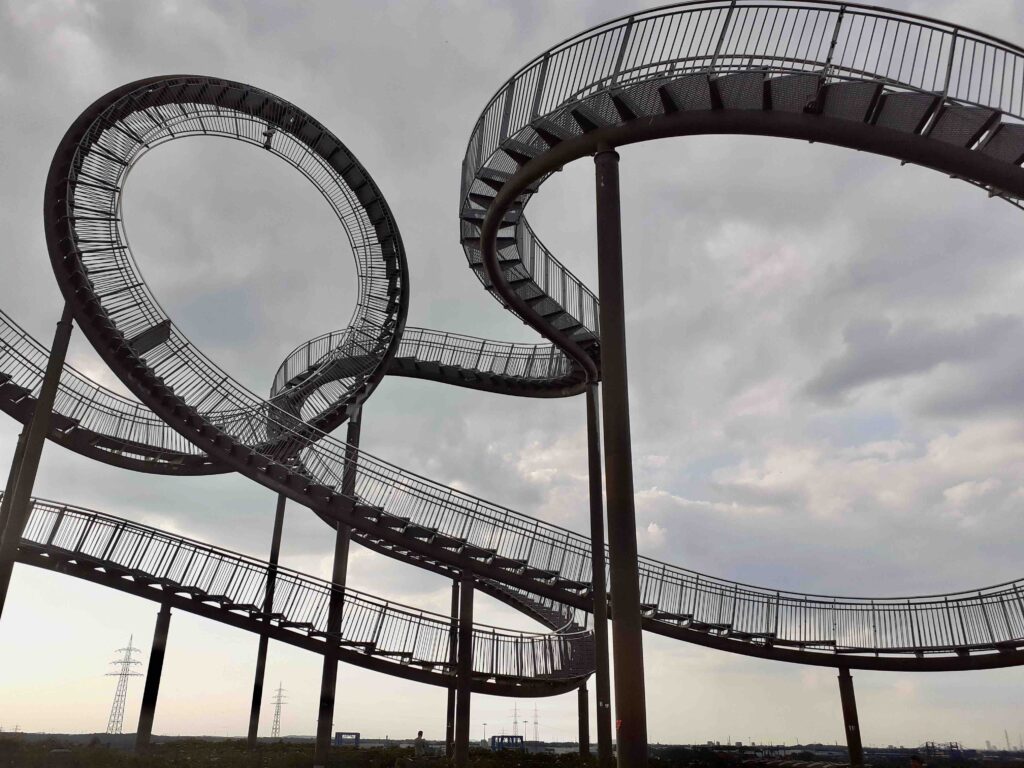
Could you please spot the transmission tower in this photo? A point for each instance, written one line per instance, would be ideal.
(275, 731)
(126, 665)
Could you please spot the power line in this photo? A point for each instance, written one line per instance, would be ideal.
(126, 666)
(275, 731)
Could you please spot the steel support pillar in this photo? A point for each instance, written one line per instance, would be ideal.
(268, 607)
(20, 504)
(329, 679)
(464, 672)
(453, 660)
(153, 672)
(584, 705)
(602, 682)
(627, 632)
(852, 726)
(12, 480)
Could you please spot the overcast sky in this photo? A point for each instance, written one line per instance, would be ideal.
(826, 352)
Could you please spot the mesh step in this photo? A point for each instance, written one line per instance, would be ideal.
(297, 625)
(905, 112)
(962, 126)
(850, 101)
(744, 90)
(794, 93)
(1006, 143)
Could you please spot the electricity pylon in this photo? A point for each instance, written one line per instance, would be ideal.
(275, 731)
(126, 666)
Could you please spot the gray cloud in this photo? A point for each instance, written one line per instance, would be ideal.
(876, 351)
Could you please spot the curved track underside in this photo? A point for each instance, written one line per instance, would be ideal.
(855, 76)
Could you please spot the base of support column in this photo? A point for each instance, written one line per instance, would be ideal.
(584, 715)
(464, 673)
(156, 667)
(850, 721)
(325, 718)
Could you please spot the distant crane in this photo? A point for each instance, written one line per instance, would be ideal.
(536, 730)
(1007, 737)
(126, 665)
(275, 731)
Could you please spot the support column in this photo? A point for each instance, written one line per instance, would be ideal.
(602, 682)
(268, 608)
(21, 495)
(153, 672)
(12, 480)
(329, 679)
(627, 633)
(852, 726)
(465, 672)
(453, 660)
(584, 705)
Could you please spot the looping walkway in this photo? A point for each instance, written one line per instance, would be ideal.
(855, 76)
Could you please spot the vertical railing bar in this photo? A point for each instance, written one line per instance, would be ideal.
(721, 37)
(835, 40)
(541, 82)
(623, 45)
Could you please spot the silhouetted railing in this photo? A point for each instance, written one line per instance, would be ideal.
(127, 425)
(505, 359)
(238, 582)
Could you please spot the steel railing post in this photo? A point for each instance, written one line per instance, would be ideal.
(622, 51)
(721, 37)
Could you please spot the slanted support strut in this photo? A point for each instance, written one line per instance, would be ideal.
(153, 672)
(19, 505)
(453, 661)
(12, 480)
(329, 679)
(627, 631)
(464, 672)
(602, 682)
(268, 607)
(852, 726)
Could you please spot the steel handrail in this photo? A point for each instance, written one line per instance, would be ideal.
(240, 580)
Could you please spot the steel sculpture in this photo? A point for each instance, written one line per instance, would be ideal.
(852, 75)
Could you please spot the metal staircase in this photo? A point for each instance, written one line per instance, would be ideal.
(233, 588)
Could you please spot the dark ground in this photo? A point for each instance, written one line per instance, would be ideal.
(181, 753)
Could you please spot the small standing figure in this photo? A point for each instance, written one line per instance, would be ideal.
(419, 746)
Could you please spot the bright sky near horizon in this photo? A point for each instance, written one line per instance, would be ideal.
(825, 358)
